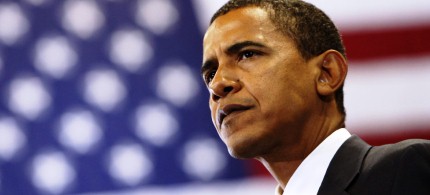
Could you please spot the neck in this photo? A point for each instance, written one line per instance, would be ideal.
(282, 162)
(281, 171)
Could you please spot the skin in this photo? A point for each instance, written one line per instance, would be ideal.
(279, 105)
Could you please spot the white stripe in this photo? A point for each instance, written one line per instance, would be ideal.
(368, 14)
(253, 186)
(349, 15)
(387, 96)
(204, 11)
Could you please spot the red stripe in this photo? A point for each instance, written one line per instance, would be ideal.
(396, 137)
(366, 45)
(255, 168)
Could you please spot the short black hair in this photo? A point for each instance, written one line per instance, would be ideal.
(312, 31)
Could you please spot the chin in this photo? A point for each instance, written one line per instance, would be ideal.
(239, 154)
(243, 149)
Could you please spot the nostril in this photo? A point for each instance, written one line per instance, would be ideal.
(215, 97)
(228, 89)
(220, 90)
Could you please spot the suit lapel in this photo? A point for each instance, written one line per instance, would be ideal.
(344, 166)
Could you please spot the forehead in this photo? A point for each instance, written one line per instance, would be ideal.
(248, 23)
(245, 16)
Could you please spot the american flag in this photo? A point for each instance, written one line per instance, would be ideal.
(105, 97)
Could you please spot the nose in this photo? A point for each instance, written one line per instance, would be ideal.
(225, 82)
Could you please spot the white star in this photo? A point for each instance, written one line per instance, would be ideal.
(52, 172)
(82, 17)
(176, 83)
(156, 15)
(155, 124)
(54, 56)
(130, 49)
(203, 159)
(129, 164)
(13, 23)
(104, 89)
(12, 138)
(79, 130)
(28, 97)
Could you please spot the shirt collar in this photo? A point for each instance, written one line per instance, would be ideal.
(309, 175)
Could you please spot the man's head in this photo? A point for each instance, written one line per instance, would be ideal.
(312, 30)
(270, 83)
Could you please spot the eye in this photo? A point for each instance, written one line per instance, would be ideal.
(209, 76)
(246, 54)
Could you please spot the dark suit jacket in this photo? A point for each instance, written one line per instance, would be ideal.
(358, 168)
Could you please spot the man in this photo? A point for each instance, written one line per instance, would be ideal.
(275, 71)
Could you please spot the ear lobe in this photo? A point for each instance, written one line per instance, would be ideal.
(333, 71)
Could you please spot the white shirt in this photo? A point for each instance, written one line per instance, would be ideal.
(308, 177)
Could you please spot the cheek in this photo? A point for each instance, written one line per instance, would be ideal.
(281, 95)
(213, 114)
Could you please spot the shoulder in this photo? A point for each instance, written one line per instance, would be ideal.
(398, 151)
(394, 156)
(416, 147)
(398, 167)
(360, 168)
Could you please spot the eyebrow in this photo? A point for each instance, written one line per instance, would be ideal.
(233, 49)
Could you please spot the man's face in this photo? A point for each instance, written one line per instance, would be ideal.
(261, 89)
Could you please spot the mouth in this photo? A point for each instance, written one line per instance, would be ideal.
(230, 109)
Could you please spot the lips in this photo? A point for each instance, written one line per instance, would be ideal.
(230, 109)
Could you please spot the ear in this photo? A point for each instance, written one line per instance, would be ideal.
(332, 72)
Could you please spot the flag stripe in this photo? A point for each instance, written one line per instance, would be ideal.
(388, 95)
(378, 138)
(367, 45)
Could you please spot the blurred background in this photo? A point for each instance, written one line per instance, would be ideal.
(105, 97)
